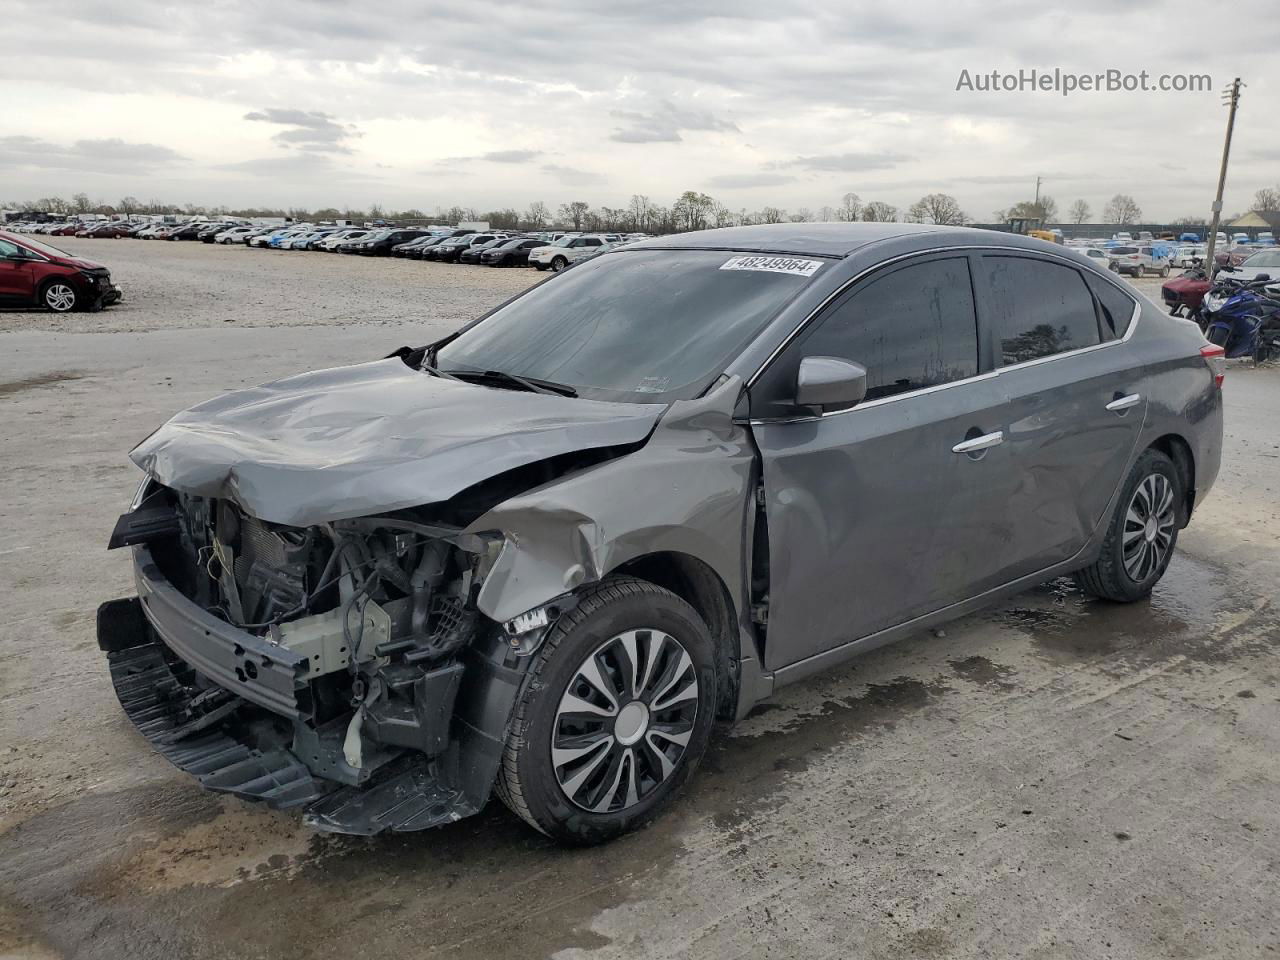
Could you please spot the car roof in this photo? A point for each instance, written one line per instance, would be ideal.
(824, 239)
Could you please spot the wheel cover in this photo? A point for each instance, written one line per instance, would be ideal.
(1149, 525)
(60, 297)
(625, 719)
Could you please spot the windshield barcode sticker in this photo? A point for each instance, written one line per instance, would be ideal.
(799, 268)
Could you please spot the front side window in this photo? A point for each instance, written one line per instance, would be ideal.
(640, 326)
(1038, 308)
(912, 328)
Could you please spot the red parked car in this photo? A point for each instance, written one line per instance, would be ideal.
(34, 273)
(111, 231)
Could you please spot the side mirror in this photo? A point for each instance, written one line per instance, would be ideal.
(1262, 276)
(830, 383)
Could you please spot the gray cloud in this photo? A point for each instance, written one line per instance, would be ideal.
(110, 154)
(848, 162)
(572, 176)
(743, 181)
(309, 130)
(664, 124)
(497, 156)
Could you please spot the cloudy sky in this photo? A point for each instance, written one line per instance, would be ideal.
(419, 103)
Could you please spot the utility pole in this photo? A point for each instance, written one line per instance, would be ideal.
(1231, 97)
(1037, 193)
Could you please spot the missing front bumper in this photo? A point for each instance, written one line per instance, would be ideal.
(409, 793)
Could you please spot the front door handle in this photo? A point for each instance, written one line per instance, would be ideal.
(1124, 403)
(984, 442)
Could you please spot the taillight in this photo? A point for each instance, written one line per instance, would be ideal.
(1215, 358)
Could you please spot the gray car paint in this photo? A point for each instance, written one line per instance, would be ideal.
(373, 437)
(689, 489)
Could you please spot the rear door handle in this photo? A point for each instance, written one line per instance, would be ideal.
(1124, 403)
(985, 442)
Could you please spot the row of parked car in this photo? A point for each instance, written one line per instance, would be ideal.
(542, 250)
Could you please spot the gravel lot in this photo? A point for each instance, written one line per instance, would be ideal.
(1053, 778)
(181, 284)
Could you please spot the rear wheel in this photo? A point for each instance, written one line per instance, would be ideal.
(1142, 533)
(59, 296)
(1164, 271)
(616, 713)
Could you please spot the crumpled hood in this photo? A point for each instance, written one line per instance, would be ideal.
(369, 438)
(83, 264)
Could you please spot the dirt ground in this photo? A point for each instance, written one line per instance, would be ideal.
(1052, 778)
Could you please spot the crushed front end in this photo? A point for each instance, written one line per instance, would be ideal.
(343, 666)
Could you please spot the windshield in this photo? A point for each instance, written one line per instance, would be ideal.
(642, 326)
(1270, 258)
(48, 249)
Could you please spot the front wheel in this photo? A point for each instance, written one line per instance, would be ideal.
(559, 263)
(1164, 271)
(59, 296)
(616, 711)
(1141, 535)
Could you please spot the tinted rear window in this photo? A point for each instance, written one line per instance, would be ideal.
(1038, 308)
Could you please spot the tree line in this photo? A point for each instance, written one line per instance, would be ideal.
(692, 210)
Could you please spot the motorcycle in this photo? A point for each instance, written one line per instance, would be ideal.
(1185, 292)
(1244, 320)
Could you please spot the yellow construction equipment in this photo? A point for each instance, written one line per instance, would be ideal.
(1032, 227)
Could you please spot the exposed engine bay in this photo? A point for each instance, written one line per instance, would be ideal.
(373, 621)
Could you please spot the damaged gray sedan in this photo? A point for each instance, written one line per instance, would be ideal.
(543, 555)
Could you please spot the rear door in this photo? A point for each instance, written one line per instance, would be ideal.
(874, 517)
(16, 274)
(1074, 407)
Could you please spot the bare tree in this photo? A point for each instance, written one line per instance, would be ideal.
(1266, 200)
(640, 210)
(772, 215)
(803, 215)
(937, 208)
(574, 212)
(1079, 212)
(1046, 210)
(877, 211)
(850, 208)
(722, 216)
(1122, 209)
(537, 215)
(129, 205)
(1190, 222)
(692, 210)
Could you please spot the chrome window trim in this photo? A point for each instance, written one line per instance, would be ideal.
(990, 374)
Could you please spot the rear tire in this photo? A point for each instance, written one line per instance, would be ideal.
(583, 764)
(1141, 534)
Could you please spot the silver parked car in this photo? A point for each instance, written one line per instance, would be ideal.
(539, 557)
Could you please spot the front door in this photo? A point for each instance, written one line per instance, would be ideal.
(891, 509)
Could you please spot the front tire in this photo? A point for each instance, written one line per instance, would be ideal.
(1141, 535)
(558, 264)
(58, 296)
(615, 714)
